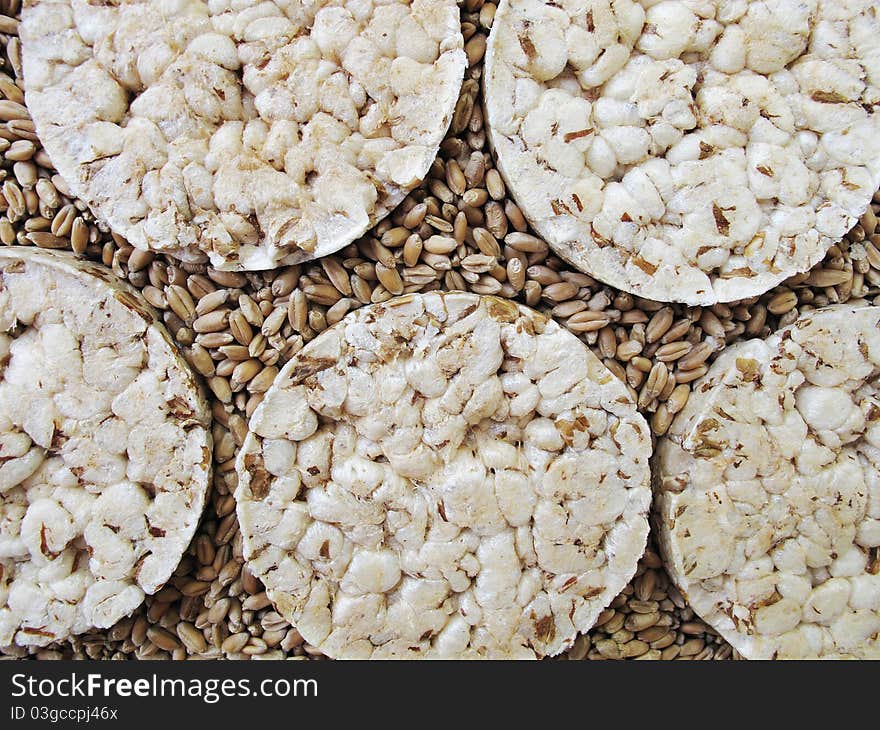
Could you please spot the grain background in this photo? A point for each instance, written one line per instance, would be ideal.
(458, 231)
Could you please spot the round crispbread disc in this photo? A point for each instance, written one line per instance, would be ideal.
(691, 152)
(105, 449)
(250, 134)
(444, 475)
(768, 500)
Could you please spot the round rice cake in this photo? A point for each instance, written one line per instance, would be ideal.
(444, 475)
(105, 449)
(251, 134)
(768, 504)
(697, 152)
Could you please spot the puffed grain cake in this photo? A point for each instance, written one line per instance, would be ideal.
(696, 151)
(768, 501)
(444, 475)
(254, 134)
(105, 450)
